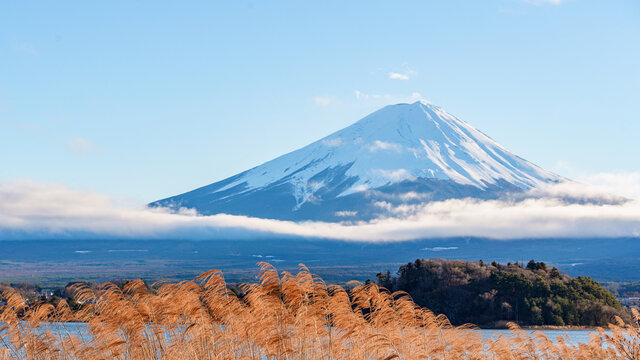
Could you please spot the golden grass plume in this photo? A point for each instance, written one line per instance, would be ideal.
(283, 316)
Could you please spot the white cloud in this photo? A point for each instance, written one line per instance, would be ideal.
(623, 184)
(346, 213)
(578, 192)
(392, 175)
(412, 195)
(80, 146)
(382, 145)
(415, 96)
(48, 209)
(364, 96)
(387, 99)
(334, 142)
(323, 101)
(545, 2)
(441, 248)
(398, 76)
(403, 73)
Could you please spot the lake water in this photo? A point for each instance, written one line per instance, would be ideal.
(575, 336)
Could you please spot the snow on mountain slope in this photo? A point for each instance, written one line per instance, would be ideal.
(416, 149)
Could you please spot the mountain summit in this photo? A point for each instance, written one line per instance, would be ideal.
(401, 154)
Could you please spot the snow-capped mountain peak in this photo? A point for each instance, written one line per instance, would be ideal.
(416, 145)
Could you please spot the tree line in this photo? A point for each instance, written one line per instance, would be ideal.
(491, 294)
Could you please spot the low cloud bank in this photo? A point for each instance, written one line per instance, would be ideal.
(35, 210)
(623, 184)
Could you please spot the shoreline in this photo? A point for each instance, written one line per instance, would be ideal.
(526, 328)
(547, 327)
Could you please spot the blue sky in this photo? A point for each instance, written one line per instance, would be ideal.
(148, 100)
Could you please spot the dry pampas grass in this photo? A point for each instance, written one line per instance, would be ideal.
(283, 316)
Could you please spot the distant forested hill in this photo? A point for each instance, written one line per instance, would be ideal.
(487, 294)
(623, 289)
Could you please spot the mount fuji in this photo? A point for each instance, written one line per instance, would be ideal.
(403, 154)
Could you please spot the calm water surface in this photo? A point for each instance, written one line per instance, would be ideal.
(575, 336)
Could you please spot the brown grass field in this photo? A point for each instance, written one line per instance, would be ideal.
(284, 316)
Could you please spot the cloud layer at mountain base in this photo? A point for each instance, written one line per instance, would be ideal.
(34, 210)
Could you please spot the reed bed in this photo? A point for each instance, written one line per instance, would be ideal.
(283, 316)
